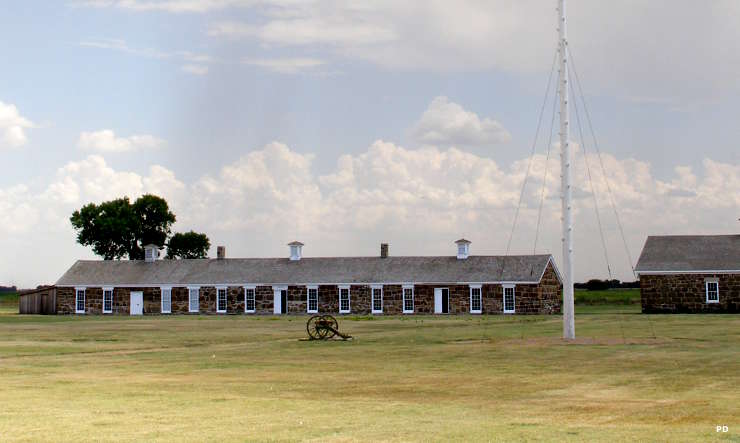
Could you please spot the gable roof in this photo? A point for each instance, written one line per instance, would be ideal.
(312, 270)
(689, 253)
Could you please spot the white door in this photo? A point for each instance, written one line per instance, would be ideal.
(277, 302)
(437, 300)
(137, 303)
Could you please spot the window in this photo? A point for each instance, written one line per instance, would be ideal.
(166, 300)
(344, 305)
(79, 300)
(408, 300)
(221, 300)
(193, 300)
(312, 302)
(249, 303)
(377, 300)
(107, 300)
(712, 286)
(476, 303)
(509, 299)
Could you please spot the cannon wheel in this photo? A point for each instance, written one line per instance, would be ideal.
(313, 332)
(321, 327)
(328, 320)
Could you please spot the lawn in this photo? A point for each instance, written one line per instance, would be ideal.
(628, 377)
(608, 297)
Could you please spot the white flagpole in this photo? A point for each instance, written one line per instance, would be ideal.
(569, 329)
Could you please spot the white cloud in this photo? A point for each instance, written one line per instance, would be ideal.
(286, 65)
(105, 140)
(199, 70)
(447, 124)
(195, 63)
(12, 127)
(174, 6)
(418, 199)
(631, 48)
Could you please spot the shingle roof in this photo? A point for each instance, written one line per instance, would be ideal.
(685, 253)
(312, 270)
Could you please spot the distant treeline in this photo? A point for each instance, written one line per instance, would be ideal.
(8, 289)
(600, 285)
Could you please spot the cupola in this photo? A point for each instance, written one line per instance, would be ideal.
(463, 248)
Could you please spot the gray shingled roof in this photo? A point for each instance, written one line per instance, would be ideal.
(312, 270)
(690, 253)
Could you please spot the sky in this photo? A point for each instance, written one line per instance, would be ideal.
(344, 124)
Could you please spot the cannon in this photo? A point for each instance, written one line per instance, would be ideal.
(324, 327)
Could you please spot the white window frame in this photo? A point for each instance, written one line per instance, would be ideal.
(108, 289)
(190, 299)
(254, 297)
(77, 295)
(403, 299)
(349, 299)
(162, 290)
(503, 299)
(480, 296)
(374, 288)
(707, 282)
(226, 298)
(308, 299)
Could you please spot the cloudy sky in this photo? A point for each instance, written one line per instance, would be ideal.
(346, 123)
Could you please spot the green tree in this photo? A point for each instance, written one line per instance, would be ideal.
(188, 245)
(117, 228)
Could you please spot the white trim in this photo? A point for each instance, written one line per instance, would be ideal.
(503, 298)
(84, 301)
(201, 285)
(349, 299)
(308, 300)
(226, 298)
(707, 281)
(190, 305)
(709, 271)
(480, 295)
(252, 288)
(403, 298)
(373, 288)
(161, 299)
(277, 296)
(108, 288)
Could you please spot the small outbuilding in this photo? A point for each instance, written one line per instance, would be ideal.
(690, 274)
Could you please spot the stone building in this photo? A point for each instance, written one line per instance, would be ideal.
(690, 273)
(454, 284)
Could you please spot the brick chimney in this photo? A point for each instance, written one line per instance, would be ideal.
(221, 252)
(384, 250)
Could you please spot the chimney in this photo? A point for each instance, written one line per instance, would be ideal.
(463, 249)
(151, 253)
(295, 250)
(221, 252)
(384, 250)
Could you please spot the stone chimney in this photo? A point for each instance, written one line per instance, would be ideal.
(463, 249)
(221, 252)
(384, 250)
(296, 250)
(151, 253)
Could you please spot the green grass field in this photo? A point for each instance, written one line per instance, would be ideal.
(502, 378)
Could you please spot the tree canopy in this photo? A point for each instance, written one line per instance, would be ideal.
(188, 245)
(118, 228)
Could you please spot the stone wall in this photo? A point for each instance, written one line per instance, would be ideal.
(543, 298)
(686, 293)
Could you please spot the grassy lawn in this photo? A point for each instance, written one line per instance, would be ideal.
(608, 297)
(628, 377)
(8, 303)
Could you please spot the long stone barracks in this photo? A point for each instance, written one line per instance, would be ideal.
(455, 284)
(690, 274)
